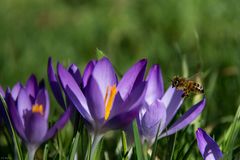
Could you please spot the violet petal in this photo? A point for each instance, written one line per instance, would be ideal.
(121, 120)
(135, 98)
(94, 99)
(104, 75)
(87, 72)
(74, 71)
(133, 76)
(172, 99)
(55, 85)
(14, 115)
(73, 92)
(186, 118)
(207, 146)
(36, 127)
(24, 103)
(15, 91)
(32, 86)
(154, 116)
(43, 99)
(155, 88)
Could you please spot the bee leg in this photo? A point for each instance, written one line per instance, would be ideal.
(185, 93)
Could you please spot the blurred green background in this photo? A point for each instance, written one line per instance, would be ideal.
(203, 36)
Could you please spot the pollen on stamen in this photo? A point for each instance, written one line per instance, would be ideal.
(36, 108)
(109, 99)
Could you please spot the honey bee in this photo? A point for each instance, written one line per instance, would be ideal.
(187, 86)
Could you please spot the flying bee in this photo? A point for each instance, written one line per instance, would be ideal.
(187, 86)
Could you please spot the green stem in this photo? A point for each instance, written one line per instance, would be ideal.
(174, 144)
(124, 145)
(95, 141)
(31, 151)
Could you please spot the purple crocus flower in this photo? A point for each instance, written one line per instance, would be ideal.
(14, 93)
(103, 102)
(160, 108)
(207, 146)
(29, 110)
(56, 87)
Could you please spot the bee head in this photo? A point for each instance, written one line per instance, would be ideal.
(175, 81)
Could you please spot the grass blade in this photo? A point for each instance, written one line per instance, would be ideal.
(124, 146)
(184, 66)
(98, 150)
(186, 155)
(73, 150)
(45, 153)
(173, 147)
(15, 139)
(232, 136)
(137, 141)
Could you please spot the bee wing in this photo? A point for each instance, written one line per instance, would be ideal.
(196, 78)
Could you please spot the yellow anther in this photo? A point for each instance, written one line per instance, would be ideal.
(36, 108)
(109, 99)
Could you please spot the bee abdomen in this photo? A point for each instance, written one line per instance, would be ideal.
(200, 89)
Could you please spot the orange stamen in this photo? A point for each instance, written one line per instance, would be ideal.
(36, 108)
(109, 99)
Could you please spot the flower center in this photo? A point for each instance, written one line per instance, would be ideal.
(36, 108)
(109, 99)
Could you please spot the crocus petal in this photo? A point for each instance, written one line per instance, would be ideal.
(32, 86)
(128, 110)
(186, 118)
(74, 71)
(36, 127)
(104, 75)
(24, 103)
(117, 105)
(15, 91)
(94, 99)
(132, 77)
(43, 99)
(155, 86)
(87, 72)
(207, 146)
(14, 115)
(2, 92)
(172, 99)
(73, 92)
(59, 124)
(135, 98)
(121, 120)
(154, 116)
(55, 85)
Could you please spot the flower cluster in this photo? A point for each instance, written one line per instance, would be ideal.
(103, 101)
(29, 107)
